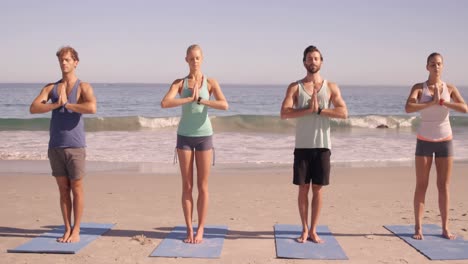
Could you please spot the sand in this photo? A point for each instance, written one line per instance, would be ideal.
(143, 200)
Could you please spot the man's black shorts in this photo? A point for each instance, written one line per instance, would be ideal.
(312, 165)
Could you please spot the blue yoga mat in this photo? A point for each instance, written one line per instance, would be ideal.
(47, 242)
(434, 246)
(173, 245)
(288, 247)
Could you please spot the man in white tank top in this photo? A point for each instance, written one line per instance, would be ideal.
(309, 100)
(433, 99)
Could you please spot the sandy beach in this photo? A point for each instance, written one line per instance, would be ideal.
(144, 199)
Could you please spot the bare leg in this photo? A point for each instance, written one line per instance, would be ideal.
(444, 172)
(65, 205)
(316, 206)
(303, 204)
(203, 161)
(78, 205)
(186, 170)
(423, 168)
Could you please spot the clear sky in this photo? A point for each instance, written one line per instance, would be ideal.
(246, 42)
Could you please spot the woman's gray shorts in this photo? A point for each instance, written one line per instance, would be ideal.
(194, 143)
(437, 149)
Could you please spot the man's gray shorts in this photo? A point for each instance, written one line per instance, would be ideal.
(68, 162)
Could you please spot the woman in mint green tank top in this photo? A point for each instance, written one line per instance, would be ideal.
(194, 135)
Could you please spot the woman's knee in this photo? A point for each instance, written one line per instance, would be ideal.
(202, 187)
(187, 188)
(443, 187)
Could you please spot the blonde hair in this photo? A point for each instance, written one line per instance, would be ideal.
(194, 47)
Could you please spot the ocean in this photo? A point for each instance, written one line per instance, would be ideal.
(130, 126)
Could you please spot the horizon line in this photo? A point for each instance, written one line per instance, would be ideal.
(241, 84)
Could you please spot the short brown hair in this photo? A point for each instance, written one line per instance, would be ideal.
(64, 50)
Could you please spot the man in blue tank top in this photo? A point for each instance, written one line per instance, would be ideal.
(69, 99)
(308, 100)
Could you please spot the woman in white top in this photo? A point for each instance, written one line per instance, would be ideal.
(433, 99)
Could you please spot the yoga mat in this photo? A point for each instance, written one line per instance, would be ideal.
(47, 242)
(173, 245)
(288, 247)
(434, 246)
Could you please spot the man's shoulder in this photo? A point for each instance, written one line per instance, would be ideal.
(294, 85)
(332, 84)
(333, 87)
(48, 87)
(85, 85)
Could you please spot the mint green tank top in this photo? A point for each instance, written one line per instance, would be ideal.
(195, 121)
(313, 130)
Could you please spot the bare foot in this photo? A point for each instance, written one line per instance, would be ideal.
(65, 237)
(189, 238)
(74, 237)
(315, 238)
(418, 234)
(303, 237)
(199, 237)
(446, 233)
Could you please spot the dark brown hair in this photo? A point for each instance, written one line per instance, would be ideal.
(432, 55)
(311, 49)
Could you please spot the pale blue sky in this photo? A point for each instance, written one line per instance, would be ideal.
(259, 42)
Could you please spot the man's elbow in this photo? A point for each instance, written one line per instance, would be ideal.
(225, 106)
(33, 109)
(344, 115)
(92, 109)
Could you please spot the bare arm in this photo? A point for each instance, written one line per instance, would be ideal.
(287, 108)
(170, 99)
(86, 102)
(412, 104)
(40, 105)
(457, 104)
(339, 109)
(220, 101)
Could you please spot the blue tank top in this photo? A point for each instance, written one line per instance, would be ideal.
(66, 127)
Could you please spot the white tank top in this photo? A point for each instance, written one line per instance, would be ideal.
(435, 123)
(313, 130)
